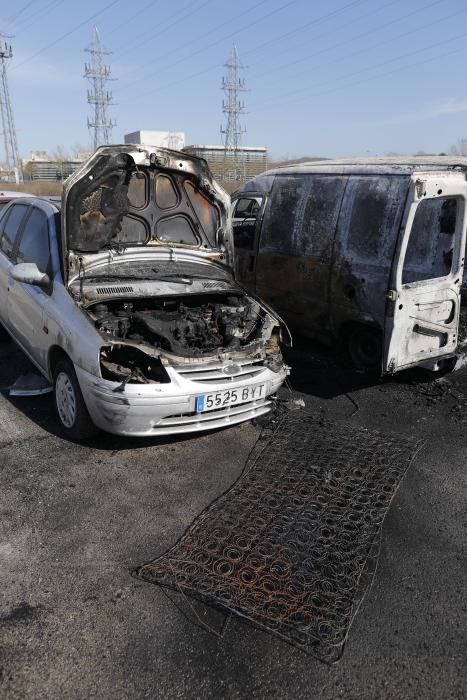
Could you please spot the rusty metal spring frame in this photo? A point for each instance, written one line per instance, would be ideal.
(292, 546)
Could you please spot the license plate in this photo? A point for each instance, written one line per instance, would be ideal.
(229, 397)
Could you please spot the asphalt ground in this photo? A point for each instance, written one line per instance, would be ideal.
(75, 519)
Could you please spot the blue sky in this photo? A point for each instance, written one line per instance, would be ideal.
(335, 78)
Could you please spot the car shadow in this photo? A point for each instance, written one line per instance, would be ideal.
(316, 370)
(40, 409)
(327, 373)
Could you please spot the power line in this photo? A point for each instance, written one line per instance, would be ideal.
(318, 20)
(222, 39)
(176, 50)
(381, 75)
(213, 67)
(218, 26)
(67, 34)
(169, 85)
(41, 13)
(164, 28)
(360, 36)
(333, 30)
(12, 17)
(133, 17)
(382, 43)
(349, 75)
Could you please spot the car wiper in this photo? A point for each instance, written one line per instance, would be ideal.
(102, 278)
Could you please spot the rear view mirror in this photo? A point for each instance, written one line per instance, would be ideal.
(29, 273)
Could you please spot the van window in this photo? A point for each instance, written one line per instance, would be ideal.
(430, 249)
(246, 208)
(302, 214)
(370, 217)
(244, 223)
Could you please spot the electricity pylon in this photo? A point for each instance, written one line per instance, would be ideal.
(233, 107)
(98, 74)
(10, 141)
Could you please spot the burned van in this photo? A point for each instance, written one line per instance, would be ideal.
(366, 253)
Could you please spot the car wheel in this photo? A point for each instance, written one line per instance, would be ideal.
(70, 408)
(365, 348)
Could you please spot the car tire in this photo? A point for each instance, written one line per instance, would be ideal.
(72, 414)
(365, 348)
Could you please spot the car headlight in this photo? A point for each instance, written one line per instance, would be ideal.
(127, 364)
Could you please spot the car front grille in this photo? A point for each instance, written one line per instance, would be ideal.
(244, 369)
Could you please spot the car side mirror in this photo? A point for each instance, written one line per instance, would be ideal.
(29, 273)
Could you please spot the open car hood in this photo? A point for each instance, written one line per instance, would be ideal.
(134, 199)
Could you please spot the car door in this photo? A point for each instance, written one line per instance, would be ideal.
(10, 227)
(27, 303)
(245, 215)
(424, 297)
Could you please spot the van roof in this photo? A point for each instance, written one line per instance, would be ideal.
(381, 166)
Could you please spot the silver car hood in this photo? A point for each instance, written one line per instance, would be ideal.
(139, 200)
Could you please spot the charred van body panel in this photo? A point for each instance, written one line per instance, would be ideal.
(330, 237)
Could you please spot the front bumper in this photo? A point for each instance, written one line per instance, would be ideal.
(169, 409)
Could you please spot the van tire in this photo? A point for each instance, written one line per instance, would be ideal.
(72, 415)
(365, 347)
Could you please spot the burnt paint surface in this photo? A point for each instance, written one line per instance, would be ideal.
(326, 249)
(121, 204)
(364, 248)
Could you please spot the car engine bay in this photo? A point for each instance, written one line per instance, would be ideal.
(187, 326)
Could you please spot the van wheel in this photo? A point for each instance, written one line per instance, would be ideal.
(71, 411)
(365, 348)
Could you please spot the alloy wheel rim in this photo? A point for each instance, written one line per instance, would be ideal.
(65, 399)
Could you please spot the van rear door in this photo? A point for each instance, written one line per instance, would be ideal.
(423, 300)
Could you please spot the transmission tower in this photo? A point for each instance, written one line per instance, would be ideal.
(233, 107)
(98, 74)
(13, 161)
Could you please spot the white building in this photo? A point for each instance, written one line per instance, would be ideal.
(231, 166)
(165, 139)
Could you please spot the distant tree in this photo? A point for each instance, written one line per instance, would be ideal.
(27, 170)
(59, 157)
(78, 149)
(459, 148)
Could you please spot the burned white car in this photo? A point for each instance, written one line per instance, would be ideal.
(127, 300)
